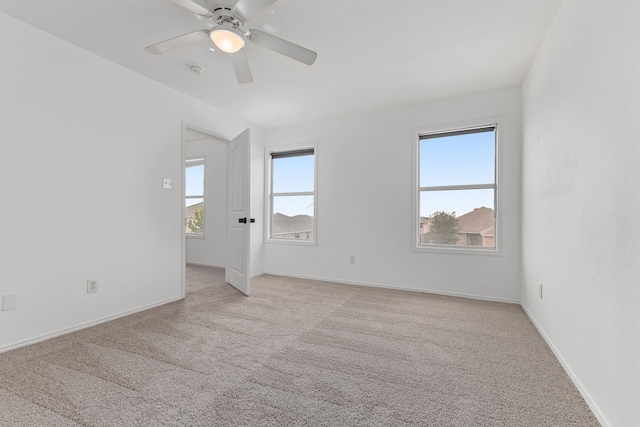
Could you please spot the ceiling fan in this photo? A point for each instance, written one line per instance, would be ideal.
(228, 35)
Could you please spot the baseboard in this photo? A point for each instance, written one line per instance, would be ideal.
(399, 288)
(221, 266)
(204, 265)
(583, 391)
(85, 325)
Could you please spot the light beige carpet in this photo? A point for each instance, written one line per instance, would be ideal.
(297, 352)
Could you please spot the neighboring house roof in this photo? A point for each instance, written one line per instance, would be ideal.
(480, 221)
(283, 223)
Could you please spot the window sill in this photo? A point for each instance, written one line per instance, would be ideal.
(195, 236)
(291, 242)
(457, 250)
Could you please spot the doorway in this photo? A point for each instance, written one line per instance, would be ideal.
(204, 202)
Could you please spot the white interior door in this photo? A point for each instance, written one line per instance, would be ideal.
(237, 272)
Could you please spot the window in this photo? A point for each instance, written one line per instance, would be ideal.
(194, 197)
(456, 195)
(292, 201)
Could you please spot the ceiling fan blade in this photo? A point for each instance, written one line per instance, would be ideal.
(192, 6)
(247, 9)
(241, 67)
(177, 42)
(283, 47)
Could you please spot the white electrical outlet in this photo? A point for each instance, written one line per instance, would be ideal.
(352, 259)
(167, 183)
(540, 290)
(8, 302)
(92, 286)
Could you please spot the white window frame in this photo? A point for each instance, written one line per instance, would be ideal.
(269, 195)
(197, 161)
(496, 122)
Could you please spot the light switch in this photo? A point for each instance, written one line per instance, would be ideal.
(8, 302)
(167, 183)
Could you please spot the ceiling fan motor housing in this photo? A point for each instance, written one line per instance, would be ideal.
(224, 15)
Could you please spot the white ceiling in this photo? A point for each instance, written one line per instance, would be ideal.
(372, 54)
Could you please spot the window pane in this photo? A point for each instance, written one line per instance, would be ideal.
(194, 216)
(459, 217)
(292, 217)
(193, 201)
(293, 174)
(458, 160)
(194, 180)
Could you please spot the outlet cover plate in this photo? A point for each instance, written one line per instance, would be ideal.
(92, 286)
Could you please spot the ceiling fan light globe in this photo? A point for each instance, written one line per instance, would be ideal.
(226, 40)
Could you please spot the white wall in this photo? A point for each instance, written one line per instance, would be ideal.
(209, 249)
(581, 202)
(365, 196)
(84, 145)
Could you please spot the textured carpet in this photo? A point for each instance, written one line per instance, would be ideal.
(297, 352)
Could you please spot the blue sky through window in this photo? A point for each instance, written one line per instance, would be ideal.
(293, 174)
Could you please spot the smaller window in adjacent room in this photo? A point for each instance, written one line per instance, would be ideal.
(194, 196)
(457, 189)
(292, 196)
